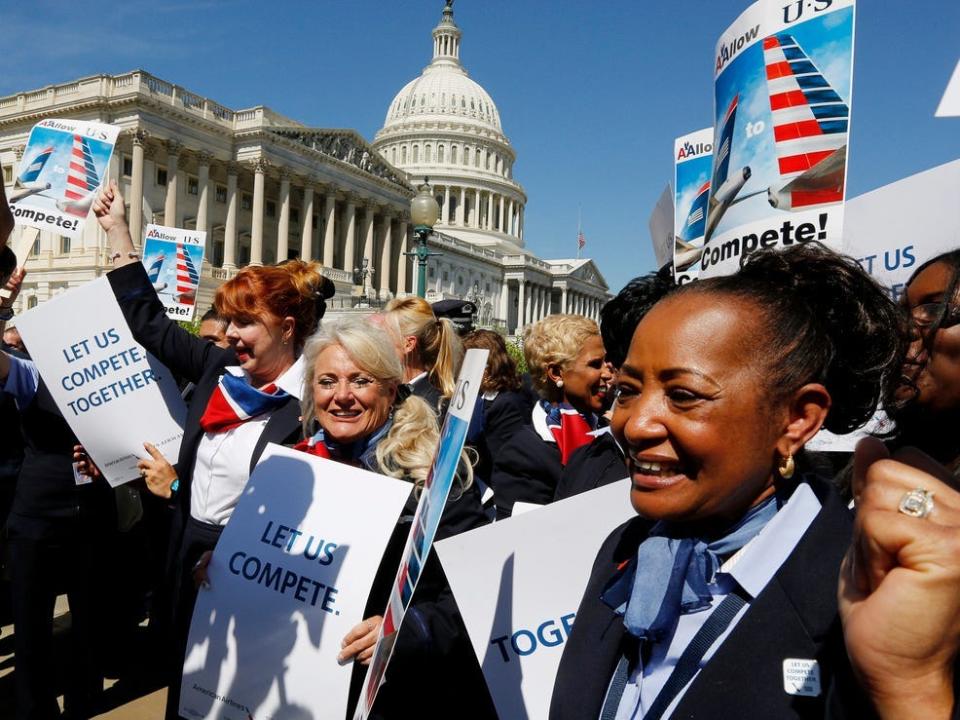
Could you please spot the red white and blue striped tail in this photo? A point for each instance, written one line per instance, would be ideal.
(187, 276)
(82, 179)
(810, 123)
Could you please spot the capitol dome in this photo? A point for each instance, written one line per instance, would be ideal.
(445, 126)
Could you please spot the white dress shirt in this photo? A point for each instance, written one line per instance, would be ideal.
(221, 468)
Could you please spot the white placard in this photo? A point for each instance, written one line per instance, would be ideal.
(114, 395)
(289, 578)
(692, 157)
(518, 584)
(950, 102)
(63, 166)
(898, 227)
(661, 227)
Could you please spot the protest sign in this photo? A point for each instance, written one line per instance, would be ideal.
(433, 499)
(692, 157)
(661, 227)
(172, 258)
(782, 82)
(114, 395)
(289, 578)
(896, 228)
(518, 584)
(950, 102)
(63, 167)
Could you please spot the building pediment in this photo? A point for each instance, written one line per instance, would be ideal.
(346, 146)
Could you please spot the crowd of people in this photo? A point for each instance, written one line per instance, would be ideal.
(747, 552)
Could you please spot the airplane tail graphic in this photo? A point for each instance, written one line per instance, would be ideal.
(153, 272)
(29, 182)
(810, 122)
(696, 222)
(724, 144)
(187, 277)
(82, 180)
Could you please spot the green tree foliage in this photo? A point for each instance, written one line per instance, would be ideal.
(515, 350)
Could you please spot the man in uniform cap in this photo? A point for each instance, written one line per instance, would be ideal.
(460, 312)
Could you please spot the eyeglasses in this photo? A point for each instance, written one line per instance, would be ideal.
(357, 384)
(925, 315)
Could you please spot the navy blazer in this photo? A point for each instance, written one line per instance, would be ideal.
(527, 469)
(591, 466)
(199, 361)
(795, 616)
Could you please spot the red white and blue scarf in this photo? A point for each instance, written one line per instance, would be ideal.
(570, 428)
(234, 401)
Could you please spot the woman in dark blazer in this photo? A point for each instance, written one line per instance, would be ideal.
(355, 412)
(720, 600)
(271, 311)
(565, 357)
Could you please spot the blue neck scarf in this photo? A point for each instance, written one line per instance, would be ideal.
(670, 575)
(363, 451)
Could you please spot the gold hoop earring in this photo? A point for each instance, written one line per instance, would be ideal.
(787, 467)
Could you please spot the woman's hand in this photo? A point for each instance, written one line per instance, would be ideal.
(111, 214)
(200, 578)
(85, 466)
(360, 641)
(157, 472)
(899, 590)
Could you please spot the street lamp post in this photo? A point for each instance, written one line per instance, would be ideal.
(424, 212)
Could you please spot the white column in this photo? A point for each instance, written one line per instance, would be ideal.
(256, 233)
(461, 207)
(170, 206)
(139, 139)
(203, 203)
(500, 216)
(402, 259)
(476, 210)
(283, 224)
(505, 302)
(520, 224)
(521, 305)
(563, 299)
(351, 239)
(489, 225)
(230, 230)
(368, 234)
(510, 230)
(445, 215)
(330, 226)
(306, 233)
(386, 254)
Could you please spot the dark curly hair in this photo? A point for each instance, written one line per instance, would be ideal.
(825, 320)
(620, 316)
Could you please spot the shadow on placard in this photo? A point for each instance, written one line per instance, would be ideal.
(263, 644)
(509, 697)
(169, 391)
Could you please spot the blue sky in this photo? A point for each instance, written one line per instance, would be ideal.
(591, 94)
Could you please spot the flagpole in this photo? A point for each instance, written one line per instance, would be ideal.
(579, 227)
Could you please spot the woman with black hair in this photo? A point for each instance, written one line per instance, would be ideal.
(719, 599)
(924, 401)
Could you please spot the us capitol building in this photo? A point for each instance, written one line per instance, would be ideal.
(266, 188)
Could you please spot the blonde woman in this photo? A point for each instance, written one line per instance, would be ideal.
(432, 350)
(567, 365)
(356, 410)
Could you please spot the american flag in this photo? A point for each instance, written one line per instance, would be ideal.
(581, 240)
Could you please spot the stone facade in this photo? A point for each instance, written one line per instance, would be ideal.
(267, 188)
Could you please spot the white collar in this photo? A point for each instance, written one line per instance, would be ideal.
(290, 381)
(419, 377)
(539, 418)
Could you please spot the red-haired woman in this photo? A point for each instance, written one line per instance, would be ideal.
(271, 311)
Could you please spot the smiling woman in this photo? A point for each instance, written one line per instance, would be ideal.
(729, 571)
(356, 411)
